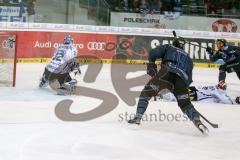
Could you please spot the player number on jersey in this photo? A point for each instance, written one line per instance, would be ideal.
(59, 56)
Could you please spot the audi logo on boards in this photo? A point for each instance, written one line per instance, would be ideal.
(97, 46)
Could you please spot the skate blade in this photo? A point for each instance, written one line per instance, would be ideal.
(133, 126)
(204, 130)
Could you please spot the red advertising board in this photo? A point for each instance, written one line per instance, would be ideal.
(36, 44)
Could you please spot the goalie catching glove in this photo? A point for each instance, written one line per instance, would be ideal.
(151, 69)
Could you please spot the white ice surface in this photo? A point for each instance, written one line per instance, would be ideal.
(29, 129)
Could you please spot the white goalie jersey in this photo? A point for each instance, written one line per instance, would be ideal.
(62, 60)
(211, 94)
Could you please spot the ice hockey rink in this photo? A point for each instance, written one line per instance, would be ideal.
(30, 130)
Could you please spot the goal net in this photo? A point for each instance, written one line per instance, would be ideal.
(7, 60)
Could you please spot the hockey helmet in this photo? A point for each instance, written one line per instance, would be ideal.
(222, 85)
(223, 41)
(179, 42)
(68, 40)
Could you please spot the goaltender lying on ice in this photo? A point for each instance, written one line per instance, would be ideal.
(211, 94)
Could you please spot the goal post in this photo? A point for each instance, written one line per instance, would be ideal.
(8, 60)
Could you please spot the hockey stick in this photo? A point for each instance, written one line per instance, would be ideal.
(175, 36)
(214, 125)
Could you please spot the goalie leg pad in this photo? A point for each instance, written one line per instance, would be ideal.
(61, 78)
(44, 81)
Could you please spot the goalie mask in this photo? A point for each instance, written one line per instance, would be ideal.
(68, 40)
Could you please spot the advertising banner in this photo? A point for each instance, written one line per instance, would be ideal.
(137, 47)
(40, 44)
(33, 44)
(175, 21)
(13, 14)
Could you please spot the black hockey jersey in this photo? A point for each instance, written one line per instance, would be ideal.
(177, 60)
(229, 54)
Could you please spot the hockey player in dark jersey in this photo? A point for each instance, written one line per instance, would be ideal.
(229, 54)
(175, 75)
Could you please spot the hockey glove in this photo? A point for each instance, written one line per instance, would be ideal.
(74, 64)
(151, 69)
(77, 71)
(73, 82)
(209, 50)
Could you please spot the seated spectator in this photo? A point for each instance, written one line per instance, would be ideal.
(144, 6)
(10, 1)
(156, 6)
(135, 5)
(6, 1)
(172, 5)
(211, 7)
(113, 4)
(30, 4)
(235, 7)
(124, 5)
(197, 7)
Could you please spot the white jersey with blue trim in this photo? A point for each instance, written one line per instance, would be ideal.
(61, 59)
(211, 94)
